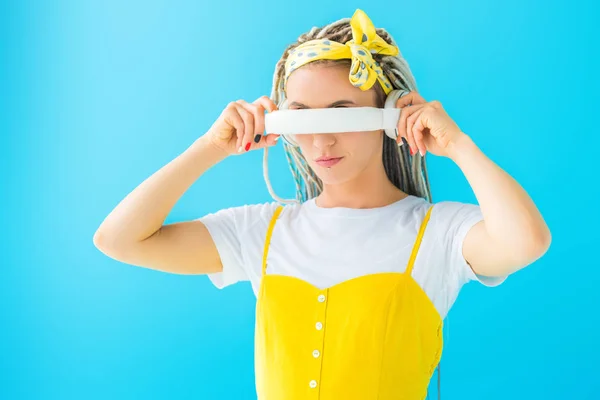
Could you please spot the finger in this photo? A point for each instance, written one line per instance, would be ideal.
(404, 126)
(419, 132)
(416, 128)
(267, 103)
(401, 127)
(258, 111)
(399, 140)
(258, 107)
(272, 139)
(410, 99)
(412, 140)
(409, 135)
(418, 99)
(266, 141)
(232, 117)
(240, 131)
(248, 117)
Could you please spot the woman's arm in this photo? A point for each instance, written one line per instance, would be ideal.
(134, 232)
(513, 233)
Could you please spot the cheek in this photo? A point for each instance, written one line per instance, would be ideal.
(304, 141)
(305, 145)
(363, 144)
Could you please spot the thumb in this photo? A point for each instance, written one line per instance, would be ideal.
(266, 141)
(410, 99)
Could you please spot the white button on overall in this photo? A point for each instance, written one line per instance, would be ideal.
(321, 298)
(319, 326)
(316, 353)
(313, 384)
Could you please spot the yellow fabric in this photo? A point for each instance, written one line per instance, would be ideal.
(374, 337)
(365, 41)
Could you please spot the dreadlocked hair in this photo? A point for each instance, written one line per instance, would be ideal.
(408, 173)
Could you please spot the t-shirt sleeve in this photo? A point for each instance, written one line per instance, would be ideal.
(453, 220)
(235, 232)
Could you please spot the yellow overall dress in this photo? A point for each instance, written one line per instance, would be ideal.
(374, 337)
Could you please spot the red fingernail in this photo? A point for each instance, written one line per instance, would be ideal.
(412, 152)
(248, 146)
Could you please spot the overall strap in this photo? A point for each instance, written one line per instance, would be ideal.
(268, 237)
(415, 250)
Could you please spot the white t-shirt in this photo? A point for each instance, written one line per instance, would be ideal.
(325, 246)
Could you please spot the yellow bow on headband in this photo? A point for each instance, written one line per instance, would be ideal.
(365, 42)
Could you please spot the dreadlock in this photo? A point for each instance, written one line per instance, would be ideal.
(408, 173)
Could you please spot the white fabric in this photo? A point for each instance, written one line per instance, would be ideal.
(326, 246)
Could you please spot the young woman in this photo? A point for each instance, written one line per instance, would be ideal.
(354, 280)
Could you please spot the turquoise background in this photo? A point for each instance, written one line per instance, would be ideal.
(97, 96)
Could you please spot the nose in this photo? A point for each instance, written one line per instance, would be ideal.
(323, 140)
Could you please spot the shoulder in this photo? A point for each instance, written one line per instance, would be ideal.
(453, 219)
(441, 268)
(238, 234)
(243, 217)
(448, 224)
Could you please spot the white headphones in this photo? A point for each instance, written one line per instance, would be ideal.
(288, 123)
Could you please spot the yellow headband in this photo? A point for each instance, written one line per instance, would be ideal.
(365, 42)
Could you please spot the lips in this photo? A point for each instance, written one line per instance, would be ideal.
(328, 162)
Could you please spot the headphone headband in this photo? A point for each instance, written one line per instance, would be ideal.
(287, 122)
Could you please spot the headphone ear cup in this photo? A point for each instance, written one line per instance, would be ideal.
(289, 139)
(390, 102)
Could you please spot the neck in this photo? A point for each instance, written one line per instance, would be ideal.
(371, 189)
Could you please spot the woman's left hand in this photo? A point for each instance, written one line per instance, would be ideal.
(426, 126)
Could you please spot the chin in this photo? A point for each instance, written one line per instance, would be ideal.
(333, 177)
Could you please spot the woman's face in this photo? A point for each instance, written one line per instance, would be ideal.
(340, 157)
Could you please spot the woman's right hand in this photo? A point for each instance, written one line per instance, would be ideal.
(241, 125)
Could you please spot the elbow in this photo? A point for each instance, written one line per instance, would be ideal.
(545, 241)
(98, 239)
(537, 246)
(105, 243)
(101, 241)
(526, 249)
(514, 255)
(542, 238)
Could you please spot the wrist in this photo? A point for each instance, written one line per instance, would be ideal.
(205, 144)
(462, 145)
(205, 150)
